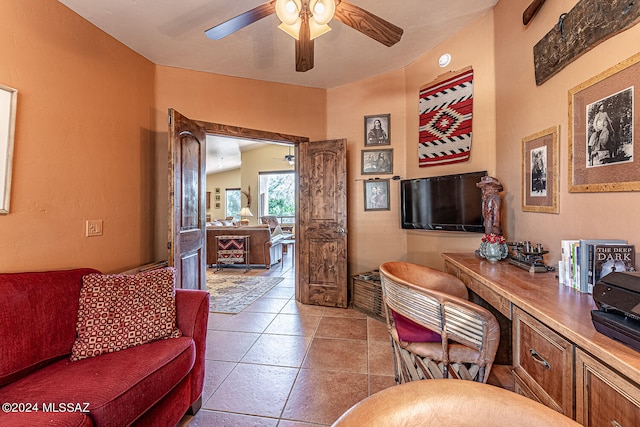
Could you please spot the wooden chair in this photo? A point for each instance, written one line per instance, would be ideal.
(435, 331)
(271, 220)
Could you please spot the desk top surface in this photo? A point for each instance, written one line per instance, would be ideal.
(565, 310)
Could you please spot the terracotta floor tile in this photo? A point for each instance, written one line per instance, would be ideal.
(343, 312)
(206, 418)
(217, 319)
(278, 350)
(282, 292)
(294, 307)
(248, 322)
(321, 397)
(267, 305)
(380, 382)
(293, 324)
(228, 346)
(377, 330)
(287, 423)
(254, 390)
(342, 327)
(380, 358)
(215, 373)
(328, 354)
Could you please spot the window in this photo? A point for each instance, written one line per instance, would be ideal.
(232, 198)
(278, 195)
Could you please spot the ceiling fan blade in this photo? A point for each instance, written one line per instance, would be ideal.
(234, 24)
(368, 23)
(304, 47)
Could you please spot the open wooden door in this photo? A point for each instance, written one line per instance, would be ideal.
(187, 187)
(321, 237)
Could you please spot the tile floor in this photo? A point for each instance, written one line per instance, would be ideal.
(280, 363)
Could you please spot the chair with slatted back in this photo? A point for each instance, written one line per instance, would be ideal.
(435, 331)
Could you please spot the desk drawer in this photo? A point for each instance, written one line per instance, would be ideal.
(543, 363)
(603, 397)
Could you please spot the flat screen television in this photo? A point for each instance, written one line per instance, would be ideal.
(448, 203)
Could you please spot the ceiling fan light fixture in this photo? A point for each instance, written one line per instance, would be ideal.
(316, 30)
(288, 11)
(323, 11)
(293, 30)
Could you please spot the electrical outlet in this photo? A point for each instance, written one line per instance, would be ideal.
(94, 227)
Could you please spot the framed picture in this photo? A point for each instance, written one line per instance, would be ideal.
(540, 172)
(377, 162)
(376, 195)
(603, 125)
(217, 190)
(217, 197)
(377, 130)
(217, 205)
(8, 101)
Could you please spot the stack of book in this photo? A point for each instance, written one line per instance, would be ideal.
(586, 261)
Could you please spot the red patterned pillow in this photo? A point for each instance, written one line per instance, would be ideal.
(118, 311)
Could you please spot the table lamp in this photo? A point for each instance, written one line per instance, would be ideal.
(244, 213)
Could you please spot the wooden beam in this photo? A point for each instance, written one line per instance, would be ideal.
(588, 24)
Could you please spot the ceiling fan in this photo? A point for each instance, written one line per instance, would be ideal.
(305, 20)
(288, 158)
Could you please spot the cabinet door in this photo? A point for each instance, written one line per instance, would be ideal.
(542, 363)
(603, 397)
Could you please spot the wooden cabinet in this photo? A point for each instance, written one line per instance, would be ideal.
(604, 397)
(366, 296)
(542, 363)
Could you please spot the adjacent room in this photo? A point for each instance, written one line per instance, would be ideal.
(296, 213)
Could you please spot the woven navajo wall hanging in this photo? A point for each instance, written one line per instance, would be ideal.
(446, 108)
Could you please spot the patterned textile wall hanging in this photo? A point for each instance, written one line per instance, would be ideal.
(446, 107)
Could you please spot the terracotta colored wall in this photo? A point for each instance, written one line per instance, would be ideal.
(82, 144)
(524, 109)
(375, 237)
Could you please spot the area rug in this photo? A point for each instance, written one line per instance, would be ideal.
(231, 294)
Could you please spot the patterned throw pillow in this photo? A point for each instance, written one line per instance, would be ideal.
(119, 311)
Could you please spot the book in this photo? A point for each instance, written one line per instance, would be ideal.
(585, 260)
(612, 257)
(567, 246)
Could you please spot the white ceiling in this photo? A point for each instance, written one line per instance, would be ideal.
(171, 33)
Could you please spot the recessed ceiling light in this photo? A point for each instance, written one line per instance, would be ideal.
(444, 60)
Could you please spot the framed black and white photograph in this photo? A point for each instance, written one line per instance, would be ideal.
(8, 100)
(376, 195)
(603, 154)
(540, 172)
(377, 130)
(377, 162)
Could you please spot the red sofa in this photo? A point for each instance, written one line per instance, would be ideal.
(152, 384)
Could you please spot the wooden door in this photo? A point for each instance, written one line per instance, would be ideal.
(321, 238)
(187, 187)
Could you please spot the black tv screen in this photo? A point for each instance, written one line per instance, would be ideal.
(449, 203)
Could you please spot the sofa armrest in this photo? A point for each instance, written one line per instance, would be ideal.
(192, 316)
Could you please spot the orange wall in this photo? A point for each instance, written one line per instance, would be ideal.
(376, 237)
(82, 142)
(524, 109)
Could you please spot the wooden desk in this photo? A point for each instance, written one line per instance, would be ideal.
(607, 373)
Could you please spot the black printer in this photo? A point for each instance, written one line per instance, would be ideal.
(617, 296)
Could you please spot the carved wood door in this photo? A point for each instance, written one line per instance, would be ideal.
(321, 238)
(187, 187)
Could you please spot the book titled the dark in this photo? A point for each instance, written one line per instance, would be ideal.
(610, 258)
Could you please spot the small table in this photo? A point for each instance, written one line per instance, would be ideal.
(232, 250)
(285, 244)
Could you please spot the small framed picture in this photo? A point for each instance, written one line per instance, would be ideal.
(217, 190)
(217, 197)
(217, 205)
(540, 172)
(377, 162)
(377, 130)
(376, 195)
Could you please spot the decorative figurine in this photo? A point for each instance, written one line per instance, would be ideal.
(491, 203)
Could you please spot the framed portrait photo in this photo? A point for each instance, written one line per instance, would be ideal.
(603, 125)
(540, 172)
(377, 130)
(376, 195)
(377, 162)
